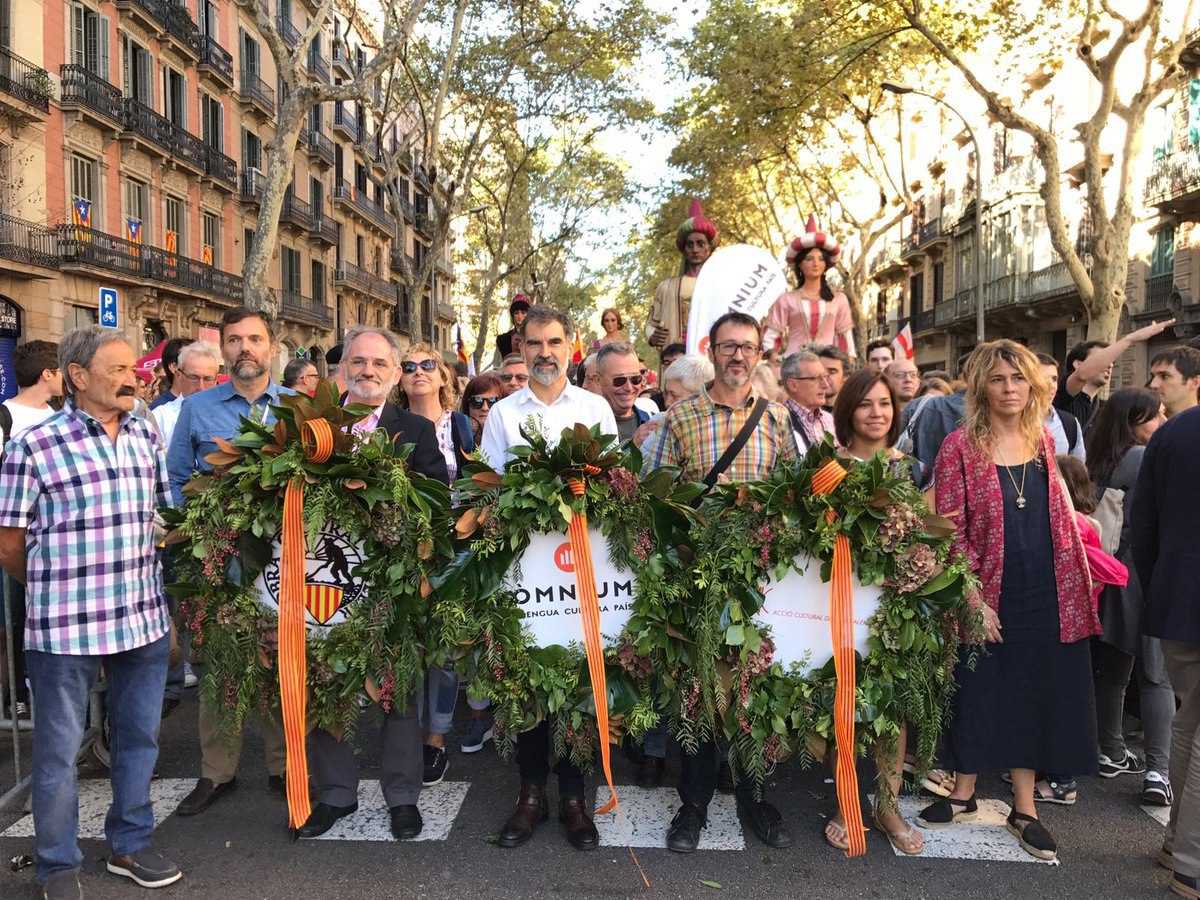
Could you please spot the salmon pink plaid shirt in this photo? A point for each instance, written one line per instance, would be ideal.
(87, 505)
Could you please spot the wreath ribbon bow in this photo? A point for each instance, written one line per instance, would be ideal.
(841, 625)
(589, 613)
(316, 436)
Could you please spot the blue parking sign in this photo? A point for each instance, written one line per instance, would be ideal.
(108, 307)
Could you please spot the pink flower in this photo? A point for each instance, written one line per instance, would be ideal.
(622, 482)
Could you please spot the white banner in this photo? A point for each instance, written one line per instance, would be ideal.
(548, 594)
(797, 609)
(738, 278)
(329, 585)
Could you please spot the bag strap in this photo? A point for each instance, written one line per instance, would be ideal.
(6, 422)
(739, 442)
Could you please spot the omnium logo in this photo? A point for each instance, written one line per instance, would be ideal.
(563, 558)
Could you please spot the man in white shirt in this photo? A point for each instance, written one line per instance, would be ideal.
(551, 404)
(195, 371)
(38, 382)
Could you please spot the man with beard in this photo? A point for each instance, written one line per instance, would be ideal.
(371, 366)
(247, 346)
(549, 403)
(695, 436)
(696, 239)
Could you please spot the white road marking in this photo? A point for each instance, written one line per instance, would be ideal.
(645, 814)
(439, 806)
(1160, 814)
(95, 797)
(984, 838)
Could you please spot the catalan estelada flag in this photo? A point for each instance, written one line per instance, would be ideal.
(81, 212)
(322, 601)
(133, 230)
(206, 254)
(171, 242)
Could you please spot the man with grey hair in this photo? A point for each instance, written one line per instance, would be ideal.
(620, 378)
(78, 498)
(805, 381)
(195, 371)
(905, 378)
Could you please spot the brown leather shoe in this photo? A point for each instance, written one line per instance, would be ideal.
(581, 831)
(531, 811)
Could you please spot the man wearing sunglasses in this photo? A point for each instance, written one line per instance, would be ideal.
(514, 374)
(621, 380)
(550, 403)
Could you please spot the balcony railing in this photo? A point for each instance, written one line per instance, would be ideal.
(423, 221)
(922, 320)
(216, 59)
(169, 17)
(319, 67)
(83, 87)
(22, 79)
(253, 183)
(345, 121)
(944, 312)
(296, 211)
(321, 147)
(294, 305)
(258, 92)
(349, 275)
(324, 229)
(178, 143)
(366, 209)
(80, 246)
(1048, 282)
(220, 167)
(341, 59)
(446, 312)
(1158, 291)
(289, 32)
(28, 243)
(930, 231)
(1175, 175)
(444, 266)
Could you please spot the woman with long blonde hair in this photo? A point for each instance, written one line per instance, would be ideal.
(1026, 705)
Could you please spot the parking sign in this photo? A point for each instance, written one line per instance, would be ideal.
(108, 307)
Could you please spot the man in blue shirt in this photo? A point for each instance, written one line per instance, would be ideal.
(248, 347)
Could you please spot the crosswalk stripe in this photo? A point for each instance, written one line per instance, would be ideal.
(95, 797)
(645, 814)
(984, 838)
(1160, 814)
(439, 806)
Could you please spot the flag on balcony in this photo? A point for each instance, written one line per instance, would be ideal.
(902, 344)
(81, 212)
(133, 230)
(206, 254)
(462, 354)
(577, 349)
(171, 243)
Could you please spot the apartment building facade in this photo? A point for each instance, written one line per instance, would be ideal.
(133, 163)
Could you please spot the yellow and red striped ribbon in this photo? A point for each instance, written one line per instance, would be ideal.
(316, 435)
(841, 625)
(589, 613)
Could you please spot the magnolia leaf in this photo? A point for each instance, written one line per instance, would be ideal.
(743, 496)
(426, 587)
(219, 458)
(226, 446)
(271, 450)
(485, 513)
(281, 434)
(197, 484)
(311, 478)
(467, 523)
(174, 536)
(487, 479)
(354, 484)
(939, 526)
(425, 549)
(371, 688)
(881, 499)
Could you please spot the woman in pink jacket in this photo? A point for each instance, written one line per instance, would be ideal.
(1027, 703)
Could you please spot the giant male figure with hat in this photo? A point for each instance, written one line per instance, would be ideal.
(696, 239)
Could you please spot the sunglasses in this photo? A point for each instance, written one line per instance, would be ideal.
(478, 402)
(426, 365)
(622, 380)
(514, 376)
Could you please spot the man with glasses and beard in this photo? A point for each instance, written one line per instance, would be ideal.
(551, 403)
(695, 436)
(248, 347)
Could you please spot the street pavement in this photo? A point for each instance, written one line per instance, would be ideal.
(240, 848)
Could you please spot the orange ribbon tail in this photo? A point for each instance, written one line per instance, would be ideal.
(317, 437)
(589, 610)
(841, 624)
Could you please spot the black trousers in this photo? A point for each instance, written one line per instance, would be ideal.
(698, 777)
(533, 761)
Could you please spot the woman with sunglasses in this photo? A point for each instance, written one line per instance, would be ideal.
(427, 389)
(480, 395)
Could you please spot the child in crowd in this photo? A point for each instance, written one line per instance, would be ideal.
(1104, 569)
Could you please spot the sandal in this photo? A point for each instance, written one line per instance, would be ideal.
(1035, 839)
(908, 841)
(836, 835)
(938, 782)
(1064, 794)
(947, 811)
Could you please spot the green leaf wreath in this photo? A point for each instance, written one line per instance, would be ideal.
(755, 531)
(480, 621)
(227, 531)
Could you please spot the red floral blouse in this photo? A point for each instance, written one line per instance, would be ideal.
(968, 492)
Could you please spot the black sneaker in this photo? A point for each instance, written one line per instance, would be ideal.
(1156, 790)
(684, 834)
(1129, 764)
(436, 763)
(145, 868)
(479, 732)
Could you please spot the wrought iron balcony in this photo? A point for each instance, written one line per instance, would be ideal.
(253, 183)
(922, 320)
(446, 313)
(931, 231)
(1174, 181)
(289, 32)
(342, 61)
(320, 148)
(216, 61)
(84, 90)
(323, 230)
(176, 143)
(348, 275)
(167, 18)
(1158, 291)
(296, 212)
(88, 247)
(319, 67)
(220, 168)
(257, 93)
(298, 308)
(424, 220)
(1054, 280)
(28, 243)
(22, 80)
(345, 121)
(357, 203)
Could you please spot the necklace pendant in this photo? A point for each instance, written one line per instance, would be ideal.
(1020, 502)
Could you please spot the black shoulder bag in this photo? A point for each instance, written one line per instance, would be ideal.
(734, 448)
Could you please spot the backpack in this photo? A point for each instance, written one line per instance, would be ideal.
(6, 423)
(1071, 428)
(1110, 516)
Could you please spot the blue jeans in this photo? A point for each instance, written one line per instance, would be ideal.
(60, 690)
(442, 688)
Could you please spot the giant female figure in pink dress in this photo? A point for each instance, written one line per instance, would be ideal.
(813, 313)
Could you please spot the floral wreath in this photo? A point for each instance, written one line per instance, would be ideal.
(755, 531)
(480, 622)
(228, 531)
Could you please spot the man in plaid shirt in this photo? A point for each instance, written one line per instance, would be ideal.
(78, 497)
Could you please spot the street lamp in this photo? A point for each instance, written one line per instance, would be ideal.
(899, 89)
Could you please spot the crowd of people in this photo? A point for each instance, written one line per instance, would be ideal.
(1077, 512)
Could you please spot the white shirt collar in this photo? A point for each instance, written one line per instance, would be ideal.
(526, 396)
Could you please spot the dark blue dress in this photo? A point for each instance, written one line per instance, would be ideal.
(1028, 703)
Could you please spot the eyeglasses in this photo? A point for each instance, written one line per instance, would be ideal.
(730, 348)
(478, 402)
(199, 379)
(807, 378)
(622, 380)
(518, 377)
(426, 365)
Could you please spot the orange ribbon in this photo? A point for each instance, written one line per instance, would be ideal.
(316, 435)
(841, 624)
(589, 613)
